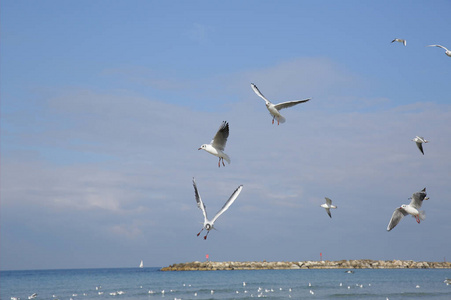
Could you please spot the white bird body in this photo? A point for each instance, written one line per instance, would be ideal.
(402, 41)
(218, 143)
(209, 224)
(419, 140)
(328, 205)
(447, 52)
(413, 208)
(215, 151)
(274, 108)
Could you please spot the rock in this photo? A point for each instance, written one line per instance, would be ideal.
(341, 264)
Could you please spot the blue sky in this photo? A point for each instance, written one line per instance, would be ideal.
(104, 104)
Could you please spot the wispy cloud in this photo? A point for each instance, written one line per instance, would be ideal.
(360, 159)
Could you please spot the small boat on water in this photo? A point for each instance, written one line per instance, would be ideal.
(141, 264)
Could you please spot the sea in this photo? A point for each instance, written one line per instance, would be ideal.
(151, 283)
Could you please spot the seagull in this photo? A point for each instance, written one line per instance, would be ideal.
(218, 143)
(208, 224)
(410, 209)
(419, 140)
(274, 108)
(328, 205)
(447, 52)
(400, 40)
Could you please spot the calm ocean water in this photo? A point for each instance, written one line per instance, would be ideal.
(148, 283)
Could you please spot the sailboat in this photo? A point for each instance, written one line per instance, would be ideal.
(141, 265)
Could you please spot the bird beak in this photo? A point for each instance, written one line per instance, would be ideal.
(199, 149)
(427, 198)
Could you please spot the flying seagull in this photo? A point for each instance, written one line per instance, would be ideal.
(328, 205)
(447, 52)
(274, 108)
(208, 225)
(218, 143)
(410, 209)
(419, 140)
(400, 41)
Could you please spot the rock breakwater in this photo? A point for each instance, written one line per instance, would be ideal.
(283, 265)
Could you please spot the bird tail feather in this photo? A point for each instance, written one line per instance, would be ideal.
(226, 157)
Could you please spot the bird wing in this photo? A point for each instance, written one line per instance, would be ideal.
(328, 201)
(287, 104)
(328, 212)
(398, 214)
(257, 91)
(440, 46)
(417, 198)
(422, 139)
(220, 139)
(228, 203)
(200, 204)
(420, 146)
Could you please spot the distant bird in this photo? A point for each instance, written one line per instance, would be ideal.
(447, 52)
(208, 224)
(328, 205)
(400, 41)
(274, 108)
(413, 208)
(218, 143)
(419, 140)
(32, 296)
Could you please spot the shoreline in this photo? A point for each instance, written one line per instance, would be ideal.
(325, 264)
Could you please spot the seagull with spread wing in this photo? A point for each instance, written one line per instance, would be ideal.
(447, 52)
(208, 224)
(413, 208)
(402, 41)
(328, 205)
(419, 140)
(274, 108)
(218, 143)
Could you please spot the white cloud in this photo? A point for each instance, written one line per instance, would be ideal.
(360, 159)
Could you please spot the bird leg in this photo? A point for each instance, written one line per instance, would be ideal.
(223, 162)
(273, 119)
(277, 121)
(200, 232)
(219, 163)
(418, 219)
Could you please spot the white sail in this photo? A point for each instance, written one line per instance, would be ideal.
(141, 265)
